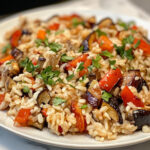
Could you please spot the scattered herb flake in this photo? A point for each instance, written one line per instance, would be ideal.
(106, 96)
(5, 48)
(76, 22)
(70, 77)
(84, 106)
(112, 63)
(55, 46)
(26, 89)
(95, 62)
(128, 40)
(48, 32)
(90, 68)
(65, 58)
(137, 44)
(83, 78)
(59, 32)
(58, 101)
(81, 49)
(38, 42)
(128, 54)
(80, 67)
(99, 32)
(106, 53)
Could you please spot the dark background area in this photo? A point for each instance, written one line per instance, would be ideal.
(13, 6)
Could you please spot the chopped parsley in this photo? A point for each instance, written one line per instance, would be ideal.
(76, 22)
(59, 32)
(28, 65)
(83, 78)
(65, 58)
(26, 89)
(46, 42)
(128, 54)
(106, 53)
(48, 32)
(128, 40)
(90, 68)
(84, 106)
(55, 47)
(80, 67)
(137, 44)
(95, 62)
(81, 48)
(126, 26)
(124, 53)
(38, 42)
(58, 101)
(5, 48)
(70, 77)
(48, 74)
(112, 63)
(99, 32)
(106, 96)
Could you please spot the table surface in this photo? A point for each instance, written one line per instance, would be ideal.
(8, 140)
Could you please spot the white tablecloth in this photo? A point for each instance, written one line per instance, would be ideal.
(139, 8)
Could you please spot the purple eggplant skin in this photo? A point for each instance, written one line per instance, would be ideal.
(25, 32)
(50, 18)
(93, 101)
(91, 77)
(17, 53)
(114, 102)
(130, 79)
(141, 118)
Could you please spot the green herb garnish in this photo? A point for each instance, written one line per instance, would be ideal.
(126, 26)
(137, 44)
(57, 101)
(76, 22)
(84, 106)
(80, 67)
(59, 32)
(106, 53)
(70, 77)
(99, 32)
(128, 40)
(90, 68)
(106, 96)
(48, 74)
(95, 62)
(38, 42)
(81, 49)
(28, 65)
(112, 63)
(26, 89)
(65, 58)
(48, 32)
(5, 48)
(55, 47)
(83, 78)
(124, 53)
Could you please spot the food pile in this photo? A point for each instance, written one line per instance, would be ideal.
(73, 74)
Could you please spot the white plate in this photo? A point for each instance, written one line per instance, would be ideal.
(69, 141)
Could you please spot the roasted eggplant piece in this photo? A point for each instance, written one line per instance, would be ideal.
(87, 43)
(106, 22)
(113, 109)
(9, 84)
(50, 18)
(41, 61)
(17, 54)
(141, 118)
(36, 125)
(43, 97)
(93, 101)
(91, 77)
(133, 78)
(25, 32)
(15, 68)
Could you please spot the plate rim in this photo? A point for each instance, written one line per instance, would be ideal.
(70, 145)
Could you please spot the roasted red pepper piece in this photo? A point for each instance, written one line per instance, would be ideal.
(73, 63)
(87, 63)
(81, 123)
(105, 43)
(22, 117)
(14, 40)
(127, 96)
(54, 26)
(134, 27)
(2, 96)
(41, 34)
(110, 79)
(143, 45)
(44, 112)
(9, 57)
